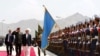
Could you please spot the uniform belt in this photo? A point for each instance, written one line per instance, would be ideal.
(95, 37)
(68, 42)
(88, 42)
(84, 42)
(88, 37)
(80, 42)
(75, 42)
(79, 38)
(97, 43)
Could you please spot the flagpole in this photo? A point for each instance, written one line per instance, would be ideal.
(44, 50)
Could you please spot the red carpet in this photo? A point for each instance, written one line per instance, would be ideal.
(32, 53)
(3, 53)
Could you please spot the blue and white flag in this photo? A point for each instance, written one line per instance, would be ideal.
(48, 25)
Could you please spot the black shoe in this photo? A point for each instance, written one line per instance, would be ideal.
(16, 54)
(10, 54)
(7, 54)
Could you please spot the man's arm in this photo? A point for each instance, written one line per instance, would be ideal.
(6, 38)
(30, 39)
(13, 39)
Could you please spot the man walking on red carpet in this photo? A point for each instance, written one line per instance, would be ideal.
(9, 41)
(26, 41)
(18, 41)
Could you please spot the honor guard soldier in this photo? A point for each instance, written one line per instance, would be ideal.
(94, 39)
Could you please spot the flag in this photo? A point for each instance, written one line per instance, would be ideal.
(57, 26)
(36, 34)
(40, 30)
(48, 24)
(37, 40)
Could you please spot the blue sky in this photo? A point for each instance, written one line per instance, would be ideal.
(15, 10)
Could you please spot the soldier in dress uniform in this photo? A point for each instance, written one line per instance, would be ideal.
(70, 42)
(82, 41)
(73, 39)
(94, 39)
(78, 41)
(69, 49)
(98, 48)
(89, 32)
(65, 45)
(97, 20)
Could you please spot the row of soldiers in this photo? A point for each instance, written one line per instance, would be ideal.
(82, 39)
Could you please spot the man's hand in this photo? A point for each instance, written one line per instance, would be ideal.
(12, 48)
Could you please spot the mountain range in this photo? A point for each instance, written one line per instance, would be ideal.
(33, 24)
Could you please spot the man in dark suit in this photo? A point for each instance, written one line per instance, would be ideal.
(18, 41)
(65, 46)
(9, 41)
(26, 41)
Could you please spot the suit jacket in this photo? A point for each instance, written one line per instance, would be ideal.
(11, 38)
(26, 40)
(18, 37)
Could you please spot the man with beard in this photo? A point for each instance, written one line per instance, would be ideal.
(18, 41)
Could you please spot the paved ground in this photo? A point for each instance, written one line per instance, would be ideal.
(3, 48)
